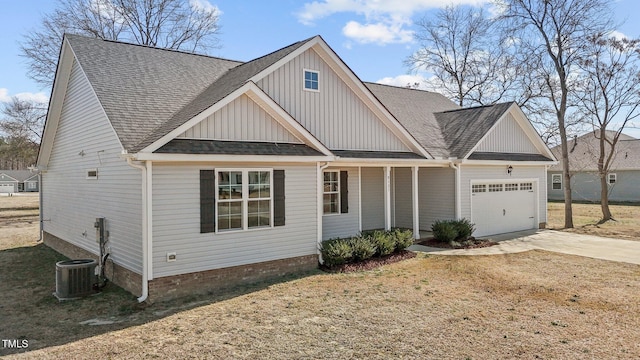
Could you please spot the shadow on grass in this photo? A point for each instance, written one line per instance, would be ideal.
(31, 312)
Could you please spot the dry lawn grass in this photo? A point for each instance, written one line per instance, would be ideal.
(586, 216)
(528, 305)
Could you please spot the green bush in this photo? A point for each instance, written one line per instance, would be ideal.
(336, 252)
(385, 242)
(465, 228)
(363, 248)
(403, 238)
(444, 230)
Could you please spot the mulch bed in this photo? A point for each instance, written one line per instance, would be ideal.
(371, 263)
(475, 244)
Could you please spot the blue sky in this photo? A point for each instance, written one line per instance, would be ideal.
(372, 36)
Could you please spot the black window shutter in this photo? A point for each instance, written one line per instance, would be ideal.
(207, 201)
(344, 192)
(278, 197)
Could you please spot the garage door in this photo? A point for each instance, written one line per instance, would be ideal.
(6, 188)
(500, 207)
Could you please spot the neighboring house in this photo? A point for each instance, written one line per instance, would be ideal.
(623, 178)
(13, 181)
(211, 172)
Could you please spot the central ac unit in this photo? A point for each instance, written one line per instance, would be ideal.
(75, 278)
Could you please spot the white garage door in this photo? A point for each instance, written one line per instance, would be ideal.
(6, 188)
(501, 207)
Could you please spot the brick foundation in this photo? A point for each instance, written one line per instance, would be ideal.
(170, 287)
(125, 278)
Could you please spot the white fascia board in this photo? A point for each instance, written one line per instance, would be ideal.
(351, 162)
(347, 75)
(56, 100)
(506, 162)
(285, 119)
(231, 158)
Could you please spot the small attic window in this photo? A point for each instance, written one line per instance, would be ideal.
(92, 174)
(311, 81)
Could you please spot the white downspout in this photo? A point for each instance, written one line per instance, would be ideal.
(145, 239)
(458, 204)
(319, 208)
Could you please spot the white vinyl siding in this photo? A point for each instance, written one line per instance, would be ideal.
(372, 198)
(585, 186)
(343, 225)
(507, 137)
(176, 223)
(241, 120)
(335, 115)
(470, 173)
(71, 203)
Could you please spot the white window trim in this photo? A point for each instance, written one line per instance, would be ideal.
(332, 192)
(304, 80)
(245, 200)
(92, 177)
(31, 185)
(553, 176)
(615, 178)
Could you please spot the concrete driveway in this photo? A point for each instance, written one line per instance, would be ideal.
(550, 240)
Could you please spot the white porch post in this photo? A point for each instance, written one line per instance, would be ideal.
(387, 198)
(414, 195)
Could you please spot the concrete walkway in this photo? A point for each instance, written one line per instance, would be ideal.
(550, 240)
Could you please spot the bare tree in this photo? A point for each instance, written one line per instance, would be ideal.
(173, 24)
(470, 62)
(21, 123)
(610, 99)
(554, 33)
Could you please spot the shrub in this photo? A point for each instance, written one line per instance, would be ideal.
(465, 228)
(363, 248)
(444, 230)
(403, 238)
(336, 252)
(385, 242)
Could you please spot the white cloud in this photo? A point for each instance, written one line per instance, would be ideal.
(618, 35)
(378, 33)
(385, 21)
(28, 96)
(405, 80)
(205, 6)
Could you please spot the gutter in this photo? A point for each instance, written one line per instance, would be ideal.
(145, 231)
(458, 195)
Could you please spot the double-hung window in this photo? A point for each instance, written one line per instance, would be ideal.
(611, 178)
(556, 181)
(244, 199)
(331, 192)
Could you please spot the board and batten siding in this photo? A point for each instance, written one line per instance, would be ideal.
(71, 202)
(334, 114)
(372, 198)
(241, 120)
(507, 136)
(470, 172)
(176, 223)
(344, 225)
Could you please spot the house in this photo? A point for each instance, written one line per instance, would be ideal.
(13, 181)
(210, 172)
(623, 179)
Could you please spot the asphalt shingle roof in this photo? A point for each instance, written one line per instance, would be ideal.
(190, 146)
(376, 154)
(139, 87)
(507, 156)
(20, 175)
(584, 150)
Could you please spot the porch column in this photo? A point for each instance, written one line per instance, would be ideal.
(387, 198)
(414, 196)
